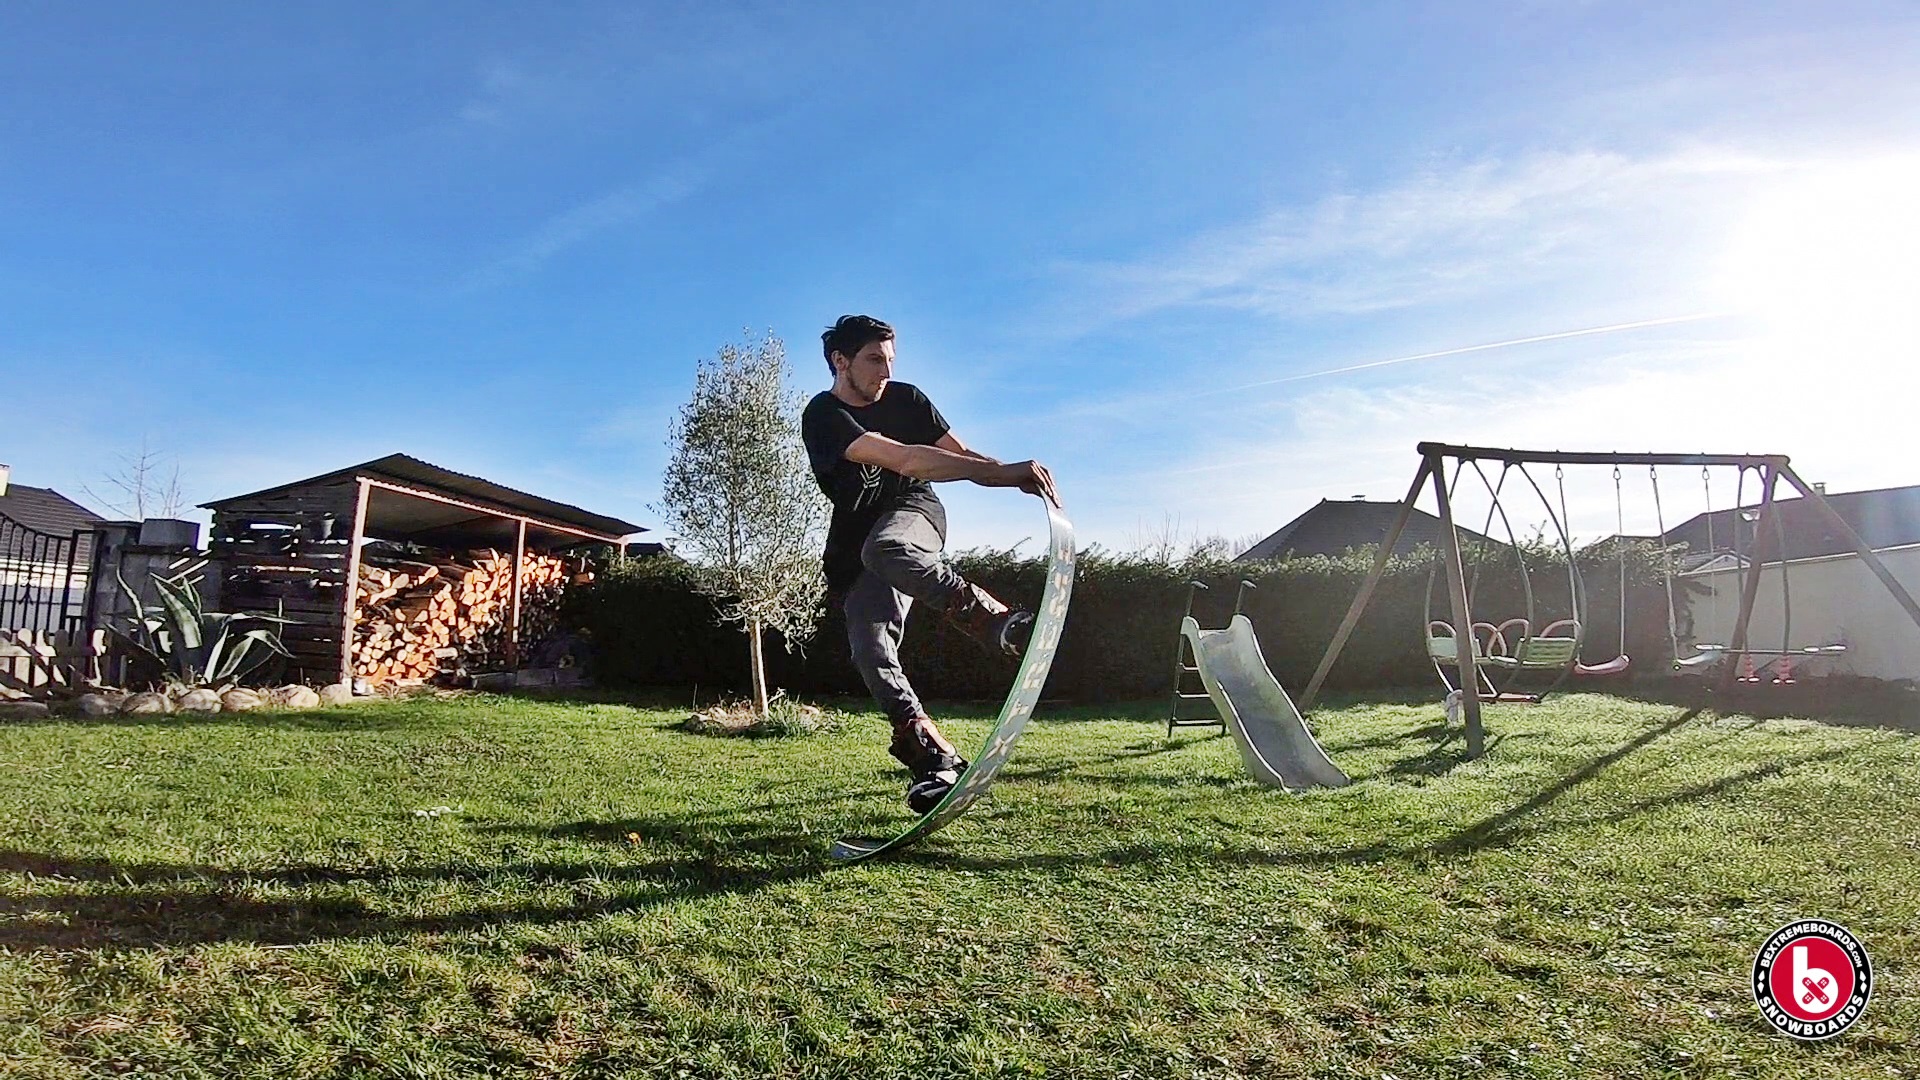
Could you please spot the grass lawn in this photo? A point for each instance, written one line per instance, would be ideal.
(254, 895)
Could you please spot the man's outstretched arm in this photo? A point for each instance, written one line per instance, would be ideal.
(938, 463)
(951, 442)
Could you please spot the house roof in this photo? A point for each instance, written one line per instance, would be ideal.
(1334, 526)
(1884, 517)
(413, 472)
(46, 510)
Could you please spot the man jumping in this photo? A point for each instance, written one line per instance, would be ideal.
(877, 447)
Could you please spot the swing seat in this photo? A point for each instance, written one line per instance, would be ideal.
(1537, 654)
(1545, 651)
(1444, 647)
(1707, 656)
(1612, 667)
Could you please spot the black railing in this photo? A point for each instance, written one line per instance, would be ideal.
(43, 578)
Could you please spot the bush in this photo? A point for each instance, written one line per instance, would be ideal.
(785, 718)
(651, 629)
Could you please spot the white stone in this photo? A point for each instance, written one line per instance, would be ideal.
(336, 693)
(199, 701)
(297, 697)
(96, 705)
(240, 699)
(147, 705)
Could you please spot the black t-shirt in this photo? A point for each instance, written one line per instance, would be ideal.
(861, 493)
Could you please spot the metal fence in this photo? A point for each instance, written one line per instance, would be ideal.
(43, 578)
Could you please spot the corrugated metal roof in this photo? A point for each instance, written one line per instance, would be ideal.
(413, 472)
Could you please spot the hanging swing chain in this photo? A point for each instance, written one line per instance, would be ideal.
(1563, 523)
(1741, 562)
(1480, 546)
(1786, 587)
(1706, 486)
(1620, 543)
(1513, 540)
(1666, 552)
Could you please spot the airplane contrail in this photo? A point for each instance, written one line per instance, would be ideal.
(1560, 336)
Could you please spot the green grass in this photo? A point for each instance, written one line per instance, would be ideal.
(255, 896)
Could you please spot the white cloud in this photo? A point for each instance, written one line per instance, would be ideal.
(612, 210)
(1816, 358)
(505, 88)
(1447, 233)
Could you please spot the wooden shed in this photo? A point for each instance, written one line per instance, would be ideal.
(298, 548)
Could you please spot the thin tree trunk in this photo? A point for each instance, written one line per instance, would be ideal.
(759, 668)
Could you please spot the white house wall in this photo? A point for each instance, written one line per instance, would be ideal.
(1835, 600)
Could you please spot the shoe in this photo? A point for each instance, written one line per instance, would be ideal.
(993, 624)
(933, 766)
(924, 795)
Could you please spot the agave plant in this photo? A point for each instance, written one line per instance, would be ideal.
(194, 646)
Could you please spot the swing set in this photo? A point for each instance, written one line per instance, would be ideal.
(1513, 660)
(1707, 655)
(1509, 661)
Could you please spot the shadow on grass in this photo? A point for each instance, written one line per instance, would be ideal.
(372, 716)
(1496, 831)
(87, 903)
(91, 903)
(1845, 701)
(158, 905)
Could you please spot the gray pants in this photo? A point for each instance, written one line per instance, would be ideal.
(903, 564)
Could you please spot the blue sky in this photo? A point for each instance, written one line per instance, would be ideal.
(1126, 239)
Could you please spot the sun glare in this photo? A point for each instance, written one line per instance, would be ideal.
(1825, 268)
(1830, 260)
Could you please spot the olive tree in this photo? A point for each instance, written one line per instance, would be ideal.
(738, 494)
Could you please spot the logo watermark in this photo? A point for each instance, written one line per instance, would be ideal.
(1812, 979)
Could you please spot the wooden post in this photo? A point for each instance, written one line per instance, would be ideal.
(1462, 617)
(1359, 605)
(1750, 588)
(352, 589)
(1866, 553)
(513, 628)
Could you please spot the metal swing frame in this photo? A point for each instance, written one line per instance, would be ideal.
(1433, 458)
(1504, 669)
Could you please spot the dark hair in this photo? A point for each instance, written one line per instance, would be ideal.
(851, 334)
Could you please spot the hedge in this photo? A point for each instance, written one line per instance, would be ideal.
(648, 627)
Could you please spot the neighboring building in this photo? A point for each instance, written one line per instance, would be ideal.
(1335, 527)
(1884, 518)
(46, 548)
(1828, 591)
(43, 509)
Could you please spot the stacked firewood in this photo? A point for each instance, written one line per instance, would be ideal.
(419, 618)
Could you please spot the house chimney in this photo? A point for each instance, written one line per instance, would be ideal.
(1819, 487)
(6, 472)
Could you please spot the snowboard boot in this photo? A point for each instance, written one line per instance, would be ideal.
(986, 620)
(933, 766)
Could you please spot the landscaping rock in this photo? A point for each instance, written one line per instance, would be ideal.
(534, 677)
(241, 700)
(336, 694)
(23, 710)
(297, 697)
(203, 701)
(97, 705)
(147, 705)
